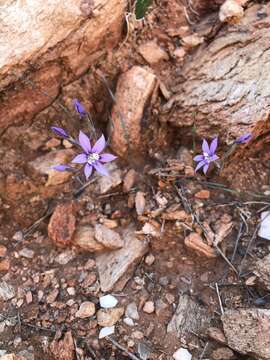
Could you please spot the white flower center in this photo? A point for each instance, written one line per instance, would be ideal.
(92, 158)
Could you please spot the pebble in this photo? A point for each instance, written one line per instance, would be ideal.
(152, 52)
(140, 203)
(264, 230)
(149, 259)
(132, 311)
(27, 253)
(149, 307)
(128, 321)
(52, 296)
(87, 309)
(71, 291)
(129, 180)
(137, 335)
(106, 331)
(163, 281)
(170, 298)
(202, 195)
(3, 250)
(109, 317)
(4, 265)
(65, 257)
(195, 242)
(7, 291)
(108, 301)
(29, 297)
(182, 354)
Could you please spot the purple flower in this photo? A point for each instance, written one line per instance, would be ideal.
(79, 108)
(92, 157)
(60, 132)
(207, 156)
(243, 139)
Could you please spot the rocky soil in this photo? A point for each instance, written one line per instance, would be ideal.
(153, 261)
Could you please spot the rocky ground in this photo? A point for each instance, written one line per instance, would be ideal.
(184, 259)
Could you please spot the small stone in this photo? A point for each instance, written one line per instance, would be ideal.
(62, 224)
(231, 12)
(179, 53)
(170, 298)
(203, 194)
(195, 242)
(149, 259)
(132, 311)
(52, 296)
(65, 257)
(4, 265)
(29, 297)
(223, 353)
(191, 41)
(67, 144)
(140, 202)
(152, 52)
(52, 143)
(18, 236)
(108, 238)
(264, 230)
(163, 281)
(138, 335)
(87, 309)
(109, 317)
(71, 291)
(3, 250)
(27, 253)
(12, 357)
(108, 301)
(149, 307)
(7, 291)
(106, 331)
(150, 229)
(109, 223)
(129, 322)
(182, 354)
(129, 180)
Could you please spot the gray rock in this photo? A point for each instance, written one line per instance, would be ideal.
(7, 291)
(114, 264)
(132, 311)
(27, 253)
(189, 316)
(264, 230)
(248, 331)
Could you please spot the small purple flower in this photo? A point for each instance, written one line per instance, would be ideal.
(243, 139)
(79, 108)
(92, 157)
(60, 132)
(208, 155)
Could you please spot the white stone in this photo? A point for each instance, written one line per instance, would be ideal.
(264, 231)
(106, 331)
(108, 301)
(182, 354)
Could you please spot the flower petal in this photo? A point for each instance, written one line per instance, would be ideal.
(107, 158)
(205, 168)
(88, 171)
(60, 132)
(213, 146)
(99, 145)
(80, 159)
(205, 147)
(201, 164)
(100, 168)
(79, 107)
(214, 157)
(243, 139)
(198, 158)
(62, 168)
(84, 142)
